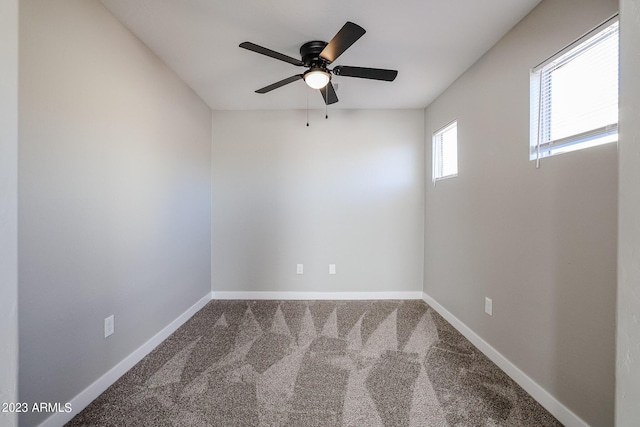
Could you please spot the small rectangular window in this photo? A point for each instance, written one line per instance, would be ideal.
(574, 95)
(445, 152)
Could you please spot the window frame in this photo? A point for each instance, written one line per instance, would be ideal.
(541, 145)
(438, 140)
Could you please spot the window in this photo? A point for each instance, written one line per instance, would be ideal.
(574, 95)
(445, 152)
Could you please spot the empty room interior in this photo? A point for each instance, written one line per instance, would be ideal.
(177, 249)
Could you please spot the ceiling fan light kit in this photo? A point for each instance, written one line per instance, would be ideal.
(317, 78)
(317, 56)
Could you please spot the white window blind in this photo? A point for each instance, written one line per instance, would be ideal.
(574, 95)
(445, 152)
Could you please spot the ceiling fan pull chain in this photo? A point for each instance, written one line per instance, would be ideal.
(307, 107)
(326, 102)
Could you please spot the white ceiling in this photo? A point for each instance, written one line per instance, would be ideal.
(429, 42)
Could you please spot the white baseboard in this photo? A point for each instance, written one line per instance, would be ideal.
(550, 403)
(403, 295)
(90, 393)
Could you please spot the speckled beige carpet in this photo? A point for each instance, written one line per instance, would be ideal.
(315, 363)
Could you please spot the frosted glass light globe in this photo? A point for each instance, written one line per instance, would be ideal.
(317, 79)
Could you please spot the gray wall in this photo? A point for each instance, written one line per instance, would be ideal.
(540, 243)
(628, 358)
(348, 190)
(8, 207)
(115, 196)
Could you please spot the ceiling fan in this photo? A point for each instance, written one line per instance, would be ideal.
(317, 56)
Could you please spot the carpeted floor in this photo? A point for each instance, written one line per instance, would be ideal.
(315, 363)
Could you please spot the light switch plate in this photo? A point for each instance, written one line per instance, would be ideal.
(488, 306)
(108, 326)
(332, 269)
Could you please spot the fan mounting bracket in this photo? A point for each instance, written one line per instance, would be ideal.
(310, 53)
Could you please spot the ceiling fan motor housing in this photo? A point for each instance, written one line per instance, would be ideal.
(310, 53)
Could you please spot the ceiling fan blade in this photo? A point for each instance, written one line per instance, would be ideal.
(279, 84)
(347, 36)
(365, 73)
(329, 94)
(271, 53)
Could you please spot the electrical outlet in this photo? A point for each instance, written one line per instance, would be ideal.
(332, 269)
(299, 269)
(108, 326)
(488, 306)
